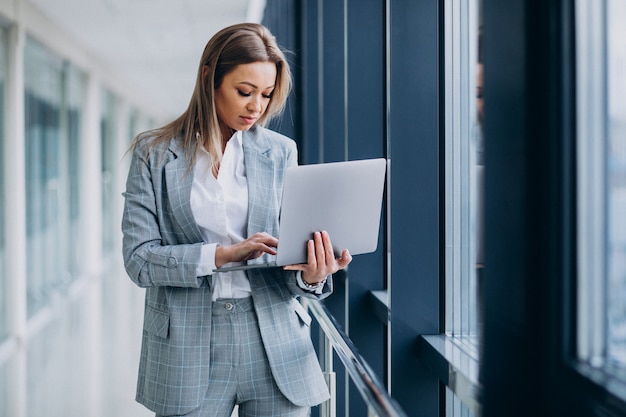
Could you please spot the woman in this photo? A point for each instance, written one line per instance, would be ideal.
(204, 191)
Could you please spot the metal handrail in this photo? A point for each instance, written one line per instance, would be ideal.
(366, 381)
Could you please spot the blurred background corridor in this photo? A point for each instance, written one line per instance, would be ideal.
(81, 79)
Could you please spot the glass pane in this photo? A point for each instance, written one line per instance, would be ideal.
(3, 275)
(52, 131)
(43, 93)
(616, 180)
(464, 166)
(74, 93)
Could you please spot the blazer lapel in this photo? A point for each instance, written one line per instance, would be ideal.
(260, 169)
(178, 181)
(261, 188)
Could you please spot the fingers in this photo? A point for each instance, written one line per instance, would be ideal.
(321, 260)
(345, 259)
(253, 247)
(312, 250)
(329, 253)
(262, 242)
(320, 249)
(264, 238)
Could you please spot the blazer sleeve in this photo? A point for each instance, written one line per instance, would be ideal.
(292, 284)
(148, 261)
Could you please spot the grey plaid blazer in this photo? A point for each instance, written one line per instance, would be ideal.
(161, 248)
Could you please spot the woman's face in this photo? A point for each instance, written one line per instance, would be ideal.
(243, 96)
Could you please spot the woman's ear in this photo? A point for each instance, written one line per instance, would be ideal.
(205, 71)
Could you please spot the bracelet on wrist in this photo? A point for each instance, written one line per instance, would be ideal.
(314, 286)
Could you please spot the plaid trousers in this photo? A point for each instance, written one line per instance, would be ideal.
(239, 369)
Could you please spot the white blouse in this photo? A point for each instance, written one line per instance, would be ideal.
(220, 208)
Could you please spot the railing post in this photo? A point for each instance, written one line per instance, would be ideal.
(331, 407)
(328, 408)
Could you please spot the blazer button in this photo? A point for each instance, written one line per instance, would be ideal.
(171, 261)
(229, 306)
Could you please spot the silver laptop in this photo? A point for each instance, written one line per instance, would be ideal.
(342, 198)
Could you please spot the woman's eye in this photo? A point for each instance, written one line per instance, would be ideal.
(268, 96)
(243, 93)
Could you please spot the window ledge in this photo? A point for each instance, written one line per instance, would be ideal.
(455, 362)
(611, 380)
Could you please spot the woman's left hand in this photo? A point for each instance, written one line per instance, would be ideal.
(321, 261)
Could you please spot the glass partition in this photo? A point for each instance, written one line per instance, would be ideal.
(53, 110)
(44, 171)
(463, 167)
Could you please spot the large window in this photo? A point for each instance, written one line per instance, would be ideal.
(463, 168)
(43, 88)
(463, 184)
(601, 127)
(53, 102)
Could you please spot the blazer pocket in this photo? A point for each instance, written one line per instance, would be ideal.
(302, 313)
(156, 322)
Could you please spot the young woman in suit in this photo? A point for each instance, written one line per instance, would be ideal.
(205, 191)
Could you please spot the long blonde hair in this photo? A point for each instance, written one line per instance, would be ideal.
(234, 45)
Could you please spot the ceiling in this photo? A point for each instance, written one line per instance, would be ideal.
(155, 44)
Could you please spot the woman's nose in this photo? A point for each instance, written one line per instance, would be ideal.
(254, 104)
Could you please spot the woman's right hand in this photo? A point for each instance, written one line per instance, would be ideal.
(251, 248)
